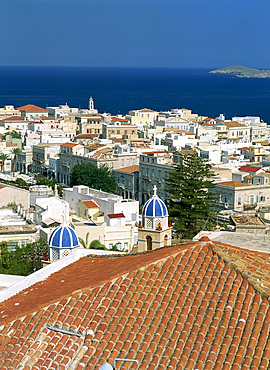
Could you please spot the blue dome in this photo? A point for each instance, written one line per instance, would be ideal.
(155, 207)
(63, 237)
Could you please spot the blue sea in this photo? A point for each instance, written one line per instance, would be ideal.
(118, 90)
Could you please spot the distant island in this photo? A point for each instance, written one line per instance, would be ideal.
(243, 72)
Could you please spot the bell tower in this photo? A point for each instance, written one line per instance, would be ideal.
(154, 231)
(91, 104)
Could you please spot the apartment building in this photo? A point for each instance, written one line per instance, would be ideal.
(154, 169)
(41, 156)
(143, 117)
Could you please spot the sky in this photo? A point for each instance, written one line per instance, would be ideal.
(135, 33)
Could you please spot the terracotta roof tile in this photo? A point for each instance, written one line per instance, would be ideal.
(31, 108)
(180, 307)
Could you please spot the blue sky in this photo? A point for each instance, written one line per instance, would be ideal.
(136, 33)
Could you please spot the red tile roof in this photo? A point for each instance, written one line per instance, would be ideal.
(249, 169)
(9, 144)
(14, 118)
(129, 169)
(117, 119)
(181, 308)
(233, 184)
(86, 136)
(90, 204)
(69, 145)
(31, 108)
(116, 215)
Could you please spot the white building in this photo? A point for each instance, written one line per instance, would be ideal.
(62, 110)
(108, 203)
(50, 210)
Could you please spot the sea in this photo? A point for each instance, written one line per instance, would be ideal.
(119, 90)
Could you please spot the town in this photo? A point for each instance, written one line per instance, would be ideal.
(90, 193)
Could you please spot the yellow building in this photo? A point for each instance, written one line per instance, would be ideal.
(8, 111)
(143, 117)
(88, 209)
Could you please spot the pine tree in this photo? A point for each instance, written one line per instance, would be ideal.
(190, 202)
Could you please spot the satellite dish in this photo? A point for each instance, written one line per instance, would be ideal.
(106, 366)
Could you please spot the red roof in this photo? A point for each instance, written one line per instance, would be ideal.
(233, 184)
(31, 108)
(86, 136)
(249, 169)
(90, 204)
(116, 215)
(14, 118)
(117, 119)
(174, 308)
(9, 144)
(244, 148)
(69, 145)
(129, 169)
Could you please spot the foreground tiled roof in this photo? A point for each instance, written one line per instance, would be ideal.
(180, 308)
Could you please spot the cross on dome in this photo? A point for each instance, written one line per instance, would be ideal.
(155, 190)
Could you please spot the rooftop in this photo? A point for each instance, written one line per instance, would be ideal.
(233, 184)
(129, 169)
(90, 204)
(249, 168)
(184, 307)
(31, 108)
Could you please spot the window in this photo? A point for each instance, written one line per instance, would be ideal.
(110, 245)
(127, 162)
(122, 162)
(133, 216)
(257, 198)
(24, 242)
(262, 198)
(239, 201)
(119, 246)
(85, 212)
(13, 244)
(125, 245)
(251, 199)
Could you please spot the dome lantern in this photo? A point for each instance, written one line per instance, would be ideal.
(155, 213)
(63, 240)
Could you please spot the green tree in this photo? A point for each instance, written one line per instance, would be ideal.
(3, 158)
(14, 134)
(100, 178)
(190, 202)
(24, 260)
(95, 244)
(15, 152)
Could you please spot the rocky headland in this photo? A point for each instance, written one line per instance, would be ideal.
(243, 72)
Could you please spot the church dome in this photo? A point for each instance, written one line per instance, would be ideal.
(63, 237)
(155, 207)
